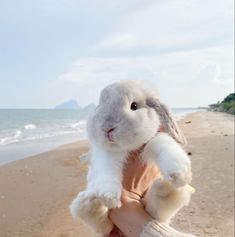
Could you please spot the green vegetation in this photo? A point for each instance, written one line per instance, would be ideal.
(227, 105)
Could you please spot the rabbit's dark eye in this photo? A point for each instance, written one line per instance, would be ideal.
(134, 106)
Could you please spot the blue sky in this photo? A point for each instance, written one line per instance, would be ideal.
(56, 50)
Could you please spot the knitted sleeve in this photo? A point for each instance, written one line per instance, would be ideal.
(155, 229)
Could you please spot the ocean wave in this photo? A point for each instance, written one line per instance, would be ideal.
(30, 126)
(19, 138)
(47, 135)
(30, 132)
(11, 139)
(81, 125)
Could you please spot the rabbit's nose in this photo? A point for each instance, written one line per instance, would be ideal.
(109, 134)
(109, 130)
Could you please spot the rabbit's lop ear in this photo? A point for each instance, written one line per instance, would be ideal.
(167, 121)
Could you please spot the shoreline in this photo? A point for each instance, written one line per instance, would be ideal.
(35, 192)
(26, 149)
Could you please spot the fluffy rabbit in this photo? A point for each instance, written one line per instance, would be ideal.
(129, 116)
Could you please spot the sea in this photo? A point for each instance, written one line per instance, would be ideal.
(27, 132)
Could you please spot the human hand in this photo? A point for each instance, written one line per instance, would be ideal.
(137, 177)
(131, 217)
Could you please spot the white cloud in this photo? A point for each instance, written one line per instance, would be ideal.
(182, 78)
(185, 47)
(173, 25)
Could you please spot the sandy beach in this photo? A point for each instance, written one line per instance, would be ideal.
(35, 192)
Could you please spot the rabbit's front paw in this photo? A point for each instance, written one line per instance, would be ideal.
(91, 210)
(82, 205)
(110, 196)
(110, 199)
(175, 168)
(180, 177)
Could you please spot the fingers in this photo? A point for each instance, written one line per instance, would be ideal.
(138, 176)
(115, 233)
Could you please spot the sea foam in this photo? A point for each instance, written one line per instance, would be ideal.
(80, 126)
(11, 139)
(30, 126)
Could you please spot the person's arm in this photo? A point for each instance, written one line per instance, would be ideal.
(130, 218)
(134, 221)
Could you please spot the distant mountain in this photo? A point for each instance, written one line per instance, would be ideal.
(70, 104)
(89, 108)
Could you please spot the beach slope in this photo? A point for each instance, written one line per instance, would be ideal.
(35, 192)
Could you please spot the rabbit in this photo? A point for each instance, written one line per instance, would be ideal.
(128, 117)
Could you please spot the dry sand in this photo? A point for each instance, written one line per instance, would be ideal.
(35, 192)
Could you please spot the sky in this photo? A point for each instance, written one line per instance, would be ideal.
(56, 50)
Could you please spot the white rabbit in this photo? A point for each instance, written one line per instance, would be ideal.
(129, 116)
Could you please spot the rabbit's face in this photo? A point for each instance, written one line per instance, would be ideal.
(123, 119)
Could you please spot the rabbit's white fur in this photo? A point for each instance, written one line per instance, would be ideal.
(132, 129)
